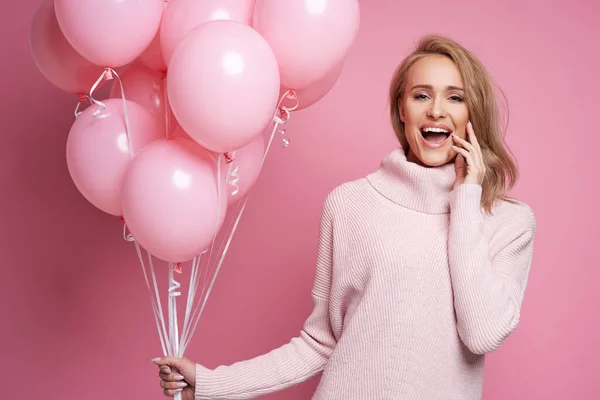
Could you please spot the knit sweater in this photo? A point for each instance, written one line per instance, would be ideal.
(414, 284)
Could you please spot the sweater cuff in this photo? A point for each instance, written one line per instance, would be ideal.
(204, 386)
(465, 201)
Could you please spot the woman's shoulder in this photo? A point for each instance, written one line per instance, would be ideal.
(349, 191)
(515, 214)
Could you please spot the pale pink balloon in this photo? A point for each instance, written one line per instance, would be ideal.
(223, 83)
(314, 92)
(98, 150)
(308, 37)
(152, 57)
(147, 88)
(184, 15)
(109, 33)
(55, 57)
(170, 201)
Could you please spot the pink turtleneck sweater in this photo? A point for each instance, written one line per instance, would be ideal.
(414, 284)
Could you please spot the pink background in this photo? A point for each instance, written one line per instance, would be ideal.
(76, 319)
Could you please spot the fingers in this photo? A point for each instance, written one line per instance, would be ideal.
(169, 377)
(476, 159)
(165, 361)
(172, 388)
(463, 142)
(172, 385)
(171, 393)
(472, 137)
(165, 370)
(466, 155)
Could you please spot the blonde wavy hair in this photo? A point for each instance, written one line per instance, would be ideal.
(483, 105)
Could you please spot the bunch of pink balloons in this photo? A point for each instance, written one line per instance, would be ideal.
(199, 79)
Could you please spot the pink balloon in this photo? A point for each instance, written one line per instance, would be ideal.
(248, 160)
(98, 150)
(109, 33)
(54, 56)
(223, 82)
(184, 15)
(147, 88)
(308, 37)
(314, 92)
(152, 57)
(170, 201)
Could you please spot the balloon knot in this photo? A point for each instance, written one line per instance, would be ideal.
(228, 158)
(177, 268)
(82, 98)
(122, 220)
(109, 74)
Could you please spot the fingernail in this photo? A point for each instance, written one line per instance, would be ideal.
(178, 390)
(155, 359)
(181, 384)
(179, 378)
(166, 370)
(470, 124)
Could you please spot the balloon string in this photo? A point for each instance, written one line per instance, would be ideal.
(199, 309)
(127, 124)
(233, 176)
(167, 109)
(156, 307)
(82, 99)
(109, 74)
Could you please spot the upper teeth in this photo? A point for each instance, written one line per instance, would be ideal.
(439, 130)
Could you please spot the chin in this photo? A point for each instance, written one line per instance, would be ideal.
(434, 158)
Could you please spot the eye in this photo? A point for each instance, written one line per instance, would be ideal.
(420, 96)
(456, 98)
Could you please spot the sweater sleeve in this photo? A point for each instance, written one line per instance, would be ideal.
(300, 359)
(488, 289)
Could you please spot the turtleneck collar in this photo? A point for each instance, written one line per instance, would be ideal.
(424, 189)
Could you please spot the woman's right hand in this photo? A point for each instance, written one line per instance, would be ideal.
(177, 375)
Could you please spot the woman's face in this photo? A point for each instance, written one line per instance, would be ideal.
(432, 108)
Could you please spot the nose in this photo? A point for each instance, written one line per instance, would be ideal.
(436, 110)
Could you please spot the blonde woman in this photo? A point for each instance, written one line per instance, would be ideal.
(422, 264)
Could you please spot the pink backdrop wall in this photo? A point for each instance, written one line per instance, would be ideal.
(76, 319)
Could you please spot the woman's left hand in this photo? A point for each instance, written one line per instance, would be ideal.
(474, 170)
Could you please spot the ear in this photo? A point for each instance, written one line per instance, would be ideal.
(401, 111)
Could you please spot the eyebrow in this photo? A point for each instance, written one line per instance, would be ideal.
(431, 87)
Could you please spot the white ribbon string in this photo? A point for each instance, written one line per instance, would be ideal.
(171, 342)
(278, 120)
(81, 100)
(155, 306)
(233, 176)
(168, 339)
(108, 74)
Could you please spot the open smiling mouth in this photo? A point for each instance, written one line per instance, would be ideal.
(435, 137)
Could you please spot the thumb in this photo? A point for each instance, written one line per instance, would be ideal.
(169, 361)
(185, 367)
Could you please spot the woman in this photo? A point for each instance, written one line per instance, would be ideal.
(422, 265)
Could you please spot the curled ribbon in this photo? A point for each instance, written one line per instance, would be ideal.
(174, 288)
(107, 75)
(127, 236)
(233, 176)
(82, 99)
